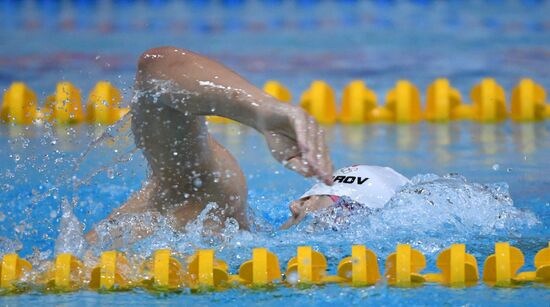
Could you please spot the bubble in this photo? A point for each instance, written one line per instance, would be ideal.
(197, 182)
(292, 278)
(496, 167)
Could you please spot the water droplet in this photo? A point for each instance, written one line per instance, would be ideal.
(110, 173)
(496, 167)
(197, 182)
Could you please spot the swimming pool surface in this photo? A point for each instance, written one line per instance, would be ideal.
(498, 188)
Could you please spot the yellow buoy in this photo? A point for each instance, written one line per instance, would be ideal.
(320, 102)
(443, 102)
(528, 101)
(403, 103)
(163, 271)
(358, 102)
(66, 274)
(361, 269)
(488, 101)
(203, 270)
(458, 269)
(500, 268)
(308, 267)
(19, 104)
(542, 272)
(261, 270)
(277, 90)
(112, 273)
(404, 266)
(65, 105)
(104, 104)
(542, 263)
(12, 269)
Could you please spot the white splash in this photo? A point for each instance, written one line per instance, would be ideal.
(71, 238)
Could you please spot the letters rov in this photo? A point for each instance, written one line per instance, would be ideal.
(349, 179)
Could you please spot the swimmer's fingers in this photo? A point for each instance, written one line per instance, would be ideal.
(312, 153)
(316, 155)
(324, 163)
(298, 165)
(299, 162)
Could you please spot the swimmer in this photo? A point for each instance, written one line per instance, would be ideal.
(354, 188)
(175, 88)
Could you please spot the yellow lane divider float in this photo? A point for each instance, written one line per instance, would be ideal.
(443, 103)
(361, 269)
(263, 269)
(500, 269)
(358, 105)
(67, 273)
(163, 272)
(404, 266)
(403, 103)
(112, 273)
(13, 270)
(458, 269)
(488, 101)
(103, 105)
(64, 106)
(278, 91)
(202, 271)
(320, 102)
(19, 104)
(528, 102)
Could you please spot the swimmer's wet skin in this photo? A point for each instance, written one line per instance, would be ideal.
(175, 88)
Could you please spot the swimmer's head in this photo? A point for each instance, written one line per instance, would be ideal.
(355, 186)
(301, 207)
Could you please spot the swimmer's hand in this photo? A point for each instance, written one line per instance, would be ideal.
(296, 140)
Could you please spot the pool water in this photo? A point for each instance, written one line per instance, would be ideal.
(472, 183)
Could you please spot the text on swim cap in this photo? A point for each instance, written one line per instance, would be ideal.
(349, 179)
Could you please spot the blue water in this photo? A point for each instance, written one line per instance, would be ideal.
(503, 167)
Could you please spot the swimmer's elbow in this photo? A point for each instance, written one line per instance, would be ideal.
(159, 56)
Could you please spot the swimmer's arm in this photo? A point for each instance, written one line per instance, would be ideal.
(205, 87)
(137, 203)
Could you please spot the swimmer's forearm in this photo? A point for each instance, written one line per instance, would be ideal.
(205, 87)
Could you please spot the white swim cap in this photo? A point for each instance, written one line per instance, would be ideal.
(371, 186)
